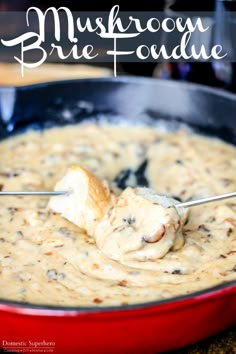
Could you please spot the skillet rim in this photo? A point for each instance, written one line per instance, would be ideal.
(128, 79)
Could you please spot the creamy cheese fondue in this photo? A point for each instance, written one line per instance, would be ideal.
(45, 259)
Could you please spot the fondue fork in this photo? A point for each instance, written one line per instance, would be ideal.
(188, 204)
(215, 198)
(34, 193)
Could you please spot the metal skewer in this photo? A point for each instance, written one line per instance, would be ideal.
(206, 200)
(39, 193)
(182, 205)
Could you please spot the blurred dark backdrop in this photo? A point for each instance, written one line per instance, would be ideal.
(199, 72)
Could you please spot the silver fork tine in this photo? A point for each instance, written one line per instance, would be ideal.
(206, 200)
(181, 205)
(33, 193)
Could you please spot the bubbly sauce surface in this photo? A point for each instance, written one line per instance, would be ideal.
(45, 259)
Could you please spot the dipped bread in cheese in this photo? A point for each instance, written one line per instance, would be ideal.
(87, 201)
(138, 224)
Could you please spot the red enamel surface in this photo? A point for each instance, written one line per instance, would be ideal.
(151, 329)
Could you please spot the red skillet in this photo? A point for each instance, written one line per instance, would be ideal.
(151, 327)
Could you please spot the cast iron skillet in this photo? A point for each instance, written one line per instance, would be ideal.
(152, 327)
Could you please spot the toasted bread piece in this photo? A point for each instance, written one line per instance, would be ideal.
(136, 225)
(87, 202)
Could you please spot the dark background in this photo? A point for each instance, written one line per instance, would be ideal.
(198, 72)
